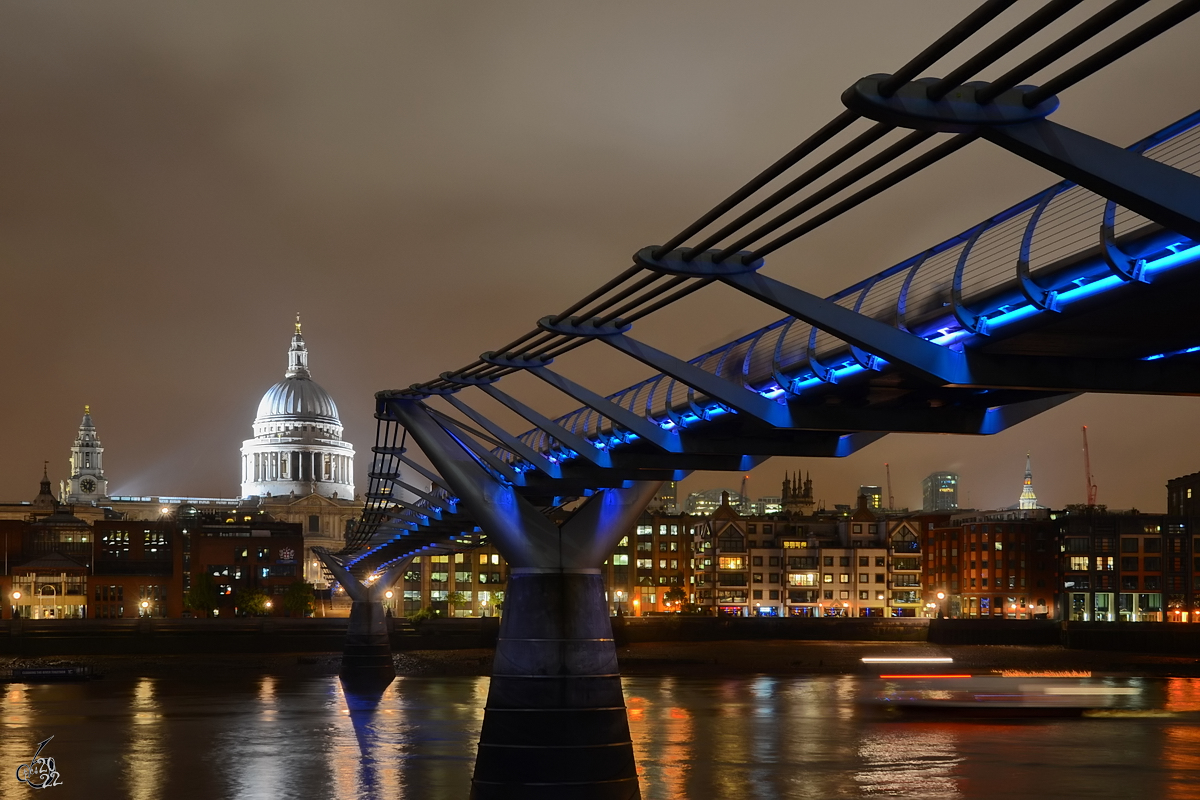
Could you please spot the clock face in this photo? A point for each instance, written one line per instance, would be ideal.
(88, 485)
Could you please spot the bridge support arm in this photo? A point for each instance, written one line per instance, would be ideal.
(367, 655)
(905, 350)
(1169, 196)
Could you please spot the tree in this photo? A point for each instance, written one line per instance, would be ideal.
(675, 595)
(202, 597)
(420, 616)
(455, 598)
(298, 599)
(251, 601)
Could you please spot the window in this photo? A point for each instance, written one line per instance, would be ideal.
(662, 563)
(864, 577)
(1104, 563)
(828, 561)
(1078, 563)
(314, 523)
(844, 561)
(730, 562)
(621, 560)
(844, 577)
(645, 563)
(756, 561)
(828, 594)
(756, 577)
(864, 595)
(879, 577)
(802, 579)
(1129, 544)
(773, 561)
(773, 577)
(1153, 564)
(864, 561)
(827, 577)
(1129, 564)
(1152, 545)
(879, 562)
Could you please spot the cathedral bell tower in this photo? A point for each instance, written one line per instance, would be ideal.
(87, 483)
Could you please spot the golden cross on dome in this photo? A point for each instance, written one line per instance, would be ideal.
(297, 322)
(87, 409)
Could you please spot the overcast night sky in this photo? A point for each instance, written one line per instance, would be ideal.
(423, 181)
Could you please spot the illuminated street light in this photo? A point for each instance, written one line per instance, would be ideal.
(388, 594)
(941, 595)
(16, 595)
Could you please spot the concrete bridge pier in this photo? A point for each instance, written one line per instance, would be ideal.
(555, 724)
(367, 657)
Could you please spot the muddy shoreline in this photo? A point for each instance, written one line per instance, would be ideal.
(681, 659)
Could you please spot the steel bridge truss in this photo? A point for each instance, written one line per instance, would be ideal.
(1083, 287)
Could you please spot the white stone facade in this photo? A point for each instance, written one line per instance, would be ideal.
(297, 449)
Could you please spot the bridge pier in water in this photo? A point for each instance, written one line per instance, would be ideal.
(367, 656)
(555, 723)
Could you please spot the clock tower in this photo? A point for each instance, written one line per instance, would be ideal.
(87, 483)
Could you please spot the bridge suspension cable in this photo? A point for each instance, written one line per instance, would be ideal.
(862, 152)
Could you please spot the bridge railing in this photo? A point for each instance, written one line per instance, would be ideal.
(1050, 241)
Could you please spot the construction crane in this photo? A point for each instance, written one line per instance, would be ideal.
(743, 503)
(1090, 479)
(891, 500)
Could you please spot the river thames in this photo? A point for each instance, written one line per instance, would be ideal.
(271, 736)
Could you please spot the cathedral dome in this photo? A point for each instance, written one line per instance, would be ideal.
(297, 447)
(299, 399)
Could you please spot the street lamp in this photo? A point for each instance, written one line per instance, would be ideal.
(145, 608)
(16, 595)
(637, 608)
(941, 596)
(620, 596)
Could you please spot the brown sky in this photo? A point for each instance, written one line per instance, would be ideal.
(422, 181)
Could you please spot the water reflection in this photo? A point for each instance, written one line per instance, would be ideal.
(256, 736)
(146, 753)
(909, 760)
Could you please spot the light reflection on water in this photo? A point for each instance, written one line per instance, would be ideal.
(795, 738)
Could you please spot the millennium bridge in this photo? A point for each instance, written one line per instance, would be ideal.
(1086, 286)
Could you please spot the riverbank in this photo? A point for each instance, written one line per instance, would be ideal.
(681, 659)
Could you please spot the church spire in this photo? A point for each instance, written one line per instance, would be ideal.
(1028, 498)
(297, 355)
